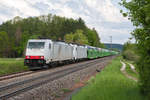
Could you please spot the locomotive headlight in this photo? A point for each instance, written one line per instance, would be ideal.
(27, 57)
(42, 57)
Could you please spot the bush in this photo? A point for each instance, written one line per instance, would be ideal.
(130, 55)
(144, 71)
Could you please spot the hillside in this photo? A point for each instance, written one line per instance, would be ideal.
(114, 46)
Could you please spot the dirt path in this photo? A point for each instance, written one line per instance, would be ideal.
(125, 73)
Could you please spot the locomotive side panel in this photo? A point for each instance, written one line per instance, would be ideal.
(55, 51)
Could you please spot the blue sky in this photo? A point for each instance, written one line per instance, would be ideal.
(103, 15)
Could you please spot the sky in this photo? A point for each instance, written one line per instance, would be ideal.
(103, 15)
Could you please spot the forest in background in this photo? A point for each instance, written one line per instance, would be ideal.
(115, 47)
(15, 33)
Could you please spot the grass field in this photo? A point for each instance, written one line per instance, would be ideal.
(110, 84)
(11, 65)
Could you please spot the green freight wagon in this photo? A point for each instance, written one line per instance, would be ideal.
(91, 52)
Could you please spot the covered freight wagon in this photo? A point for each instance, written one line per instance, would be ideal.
(81, 52)
(62, 51)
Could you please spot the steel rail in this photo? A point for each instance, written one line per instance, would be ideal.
(13, 75)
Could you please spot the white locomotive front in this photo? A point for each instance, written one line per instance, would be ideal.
(37, 53)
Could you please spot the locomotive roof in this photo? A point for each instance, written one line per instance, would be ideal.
(39, 40)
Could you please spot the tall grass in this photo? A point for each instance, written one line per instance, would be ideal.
(11, 65)
(110, 84)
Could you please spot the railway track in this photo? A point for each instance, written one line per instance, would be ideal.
(19, 74)
(13, 75)
(23, 73)
(13, 89)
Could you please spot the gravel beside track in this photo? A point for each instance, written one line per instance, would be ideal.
(52, 78)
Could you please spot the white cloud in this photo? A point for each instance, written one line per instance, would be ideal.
(67, 12)
(118, 35)
(107, 10)
(3, 18)
(24, 9)
(96, 13)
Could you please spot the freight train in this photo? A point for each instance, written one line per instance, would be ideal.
(42, 53)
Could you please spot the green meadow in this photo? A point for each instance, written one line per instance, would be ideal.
(110, 84)
(11, 65)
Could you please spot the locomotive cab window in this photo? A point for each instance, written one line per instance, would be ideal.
(36, 45)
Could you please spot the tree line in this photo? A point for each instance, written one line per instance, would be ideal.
(139, 14)
(15, 33)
